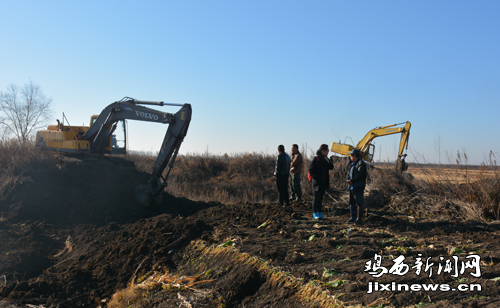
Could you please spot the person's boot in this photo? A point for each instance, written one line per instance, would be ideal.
(361, 213)
(354, 213)
(315, 216)
(320, 216)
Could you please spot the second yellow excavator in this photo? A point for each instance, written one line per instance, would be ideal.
(367, 148)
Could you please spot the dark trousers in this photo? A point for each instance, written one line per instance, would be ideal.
(357, 203)
(295, 185)
(318, 199)
(282, 185)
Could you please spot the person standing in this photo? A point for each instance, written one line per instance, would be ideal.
(296, 167)
(357, 183)
(320, 173)
(282, 172)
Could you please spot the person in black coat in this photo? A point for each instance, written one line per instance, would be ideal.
(357, 183)
(281, 173)
(320, 173)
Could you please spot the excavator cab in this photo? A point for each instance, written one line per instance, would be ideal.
(117, 143)
(119, 138)
(368, 155)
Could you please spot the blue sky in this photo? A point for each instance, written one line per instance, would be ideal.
(263, 73)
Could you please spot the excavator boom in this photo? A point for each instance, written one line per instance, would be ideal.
(128, 108)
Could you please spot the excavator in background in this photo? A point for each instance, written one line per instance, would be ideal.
(100, 138)
(367, 148)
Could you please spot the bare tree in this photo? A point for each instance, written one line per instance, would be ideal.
(23, 112)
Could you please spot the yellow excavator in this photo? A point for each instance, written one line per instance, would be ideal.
(100, 137)
(367, 148)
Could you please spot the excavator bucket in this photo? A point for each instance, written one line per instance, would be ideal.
(401, 165)
(145, 198)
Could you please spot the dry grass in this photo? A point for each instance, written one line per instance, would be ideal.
(313, 292)
(16, 160)
(457, 191)
(456, 174)
(175, 290)
(453, 191)
(229, 179)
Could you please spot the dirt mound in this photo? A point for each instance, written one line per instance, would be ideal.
(81, 192)
(56, 214)
(71, 236)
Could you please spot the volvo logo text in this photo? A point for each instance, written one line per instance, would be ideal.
(146, 115)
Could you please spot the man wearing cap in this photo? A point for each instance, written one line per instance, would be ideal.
(357, 183)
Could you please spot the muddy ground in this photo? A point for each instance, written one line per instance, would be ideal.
(71, 236)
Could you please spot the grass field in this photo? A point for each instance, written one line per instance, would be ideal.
(248, 178)
(457, 174)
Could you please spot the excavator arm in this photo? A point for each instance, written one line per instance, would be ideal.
(151, 194)
(365, 144)
(403, 143)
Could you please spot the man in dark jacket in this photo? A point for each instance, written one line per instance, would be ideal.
(282, 172)
(357, 183)
(320, 173)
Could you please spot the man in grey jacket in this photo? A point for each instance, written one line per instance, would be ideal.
(357, 183)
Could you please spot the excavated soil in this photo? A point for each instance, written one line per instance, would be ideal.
(71, 236)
